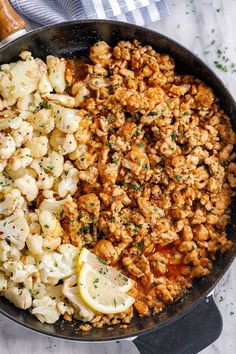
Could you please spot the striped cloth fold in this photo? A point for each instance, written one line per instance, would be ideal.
(45, 12)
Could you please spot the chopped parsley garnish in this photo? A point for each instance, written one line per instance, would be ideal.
(139, 245)
(44, 105)
(111, 117)
(178, 177)
(221, 66)
(62, 213)
(134, 187)
(85, 230)
(101, 261)
(115, 160)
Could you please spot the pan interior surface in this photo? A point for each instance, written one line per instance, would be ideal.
(73, 39)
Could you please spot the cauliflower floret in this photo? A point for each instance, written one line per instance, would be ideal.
(7, 146)
(4, 250)
(10, 123)
(50, 224)
(26, 103)
(45, 310)
(63, 308)
(5, 183)
(51, 244)
(20, 80)
(12, 201)
(20, 172)
(3, 164)
(43, 121)
(44, 82)
(15, 229)
(44, 181)
(28, 187)
(21, 298)
(65, 143)
(20, 159)
(66, 119)
(3, 282)
(39, 289)
(57, 68)
(38, 146)
(54, 206)
(55, 266)
(8, 252)
(70, 290)
(62, 100)
(23, 134)
(35, 244)
(53, 163)
(18, 271)
(70, 178)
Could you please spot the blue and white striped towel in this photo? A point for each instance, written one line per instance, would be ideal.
(45, 12)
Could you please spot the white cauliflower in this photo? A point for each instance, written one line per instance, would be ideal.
(63, 308)
(5, 183)
(15, 229)
(44, 180)
(3, 164)
(81, 149)
(68, 183)
(28, 187)
(17, 271)
(44, 82)
(66, 119)
(20, 159)
(62, 100)
(20, 79)
(50, 224)
(51, 244)
(70, 290)
(26, 103)
(43, 121)
(10, 123)
(55, 266)
(54, 206)
(7, 146)
(39, 289)
(23, 134)
(48, 194)
(12, 201)
(53, 163)
(64, 143)
(57, 68)
(3, 282)
(38, 146)
(4, 250)
(8, 252)
(21, 298)
(35, 244)
(45, 309)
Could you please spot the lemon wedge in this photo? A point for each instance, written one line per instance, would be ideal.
(119, 280)
(99, 293)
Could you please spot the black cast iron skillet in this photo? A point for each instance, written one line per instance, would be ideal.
(193, 322)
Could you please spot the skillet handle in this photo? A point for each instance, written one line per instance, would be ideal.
(188, 335)
(11, 24)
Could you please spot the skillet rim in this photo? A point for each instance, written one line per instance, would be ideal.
(211, 288)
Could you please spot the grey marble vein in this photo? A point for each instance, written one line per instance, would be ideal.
(204, 26)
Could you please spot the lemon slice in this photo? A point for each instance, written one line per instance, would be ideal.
(100, 294)
(115, 277)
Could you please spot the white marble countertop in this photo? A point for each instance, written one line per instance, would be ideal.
(204, 26)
